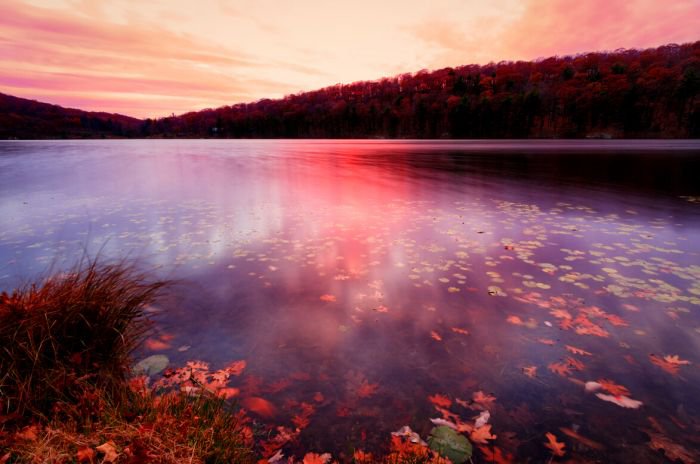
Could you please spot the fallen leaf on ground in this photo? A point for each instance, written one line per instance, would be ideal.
(313, 458)
(109, 449)
(85, 454)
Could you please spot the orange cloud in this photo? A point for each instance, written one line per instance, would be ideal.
(71, 59)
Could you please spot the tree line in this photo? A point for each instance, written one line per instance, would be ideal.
(625, 93)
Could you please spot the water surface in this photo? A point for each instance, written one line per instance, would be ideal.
(360, 279)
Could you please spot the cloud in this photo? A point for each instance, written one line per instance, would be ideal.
(556, 27)
(550, 27)
(57, 53)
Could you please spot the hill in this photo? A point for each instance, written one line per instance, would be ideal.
(652, 93)
(29, 119)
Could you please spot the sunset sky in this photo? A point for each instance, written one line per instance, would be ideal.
(157, 57)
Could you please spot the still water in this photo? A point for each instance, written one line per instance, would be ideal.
(370, 285)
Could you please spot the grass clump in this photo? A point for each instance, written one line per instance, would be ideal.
(72, 331)
(65, 378)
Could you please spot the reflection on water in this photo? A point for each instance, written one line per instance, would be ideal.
(371, 285)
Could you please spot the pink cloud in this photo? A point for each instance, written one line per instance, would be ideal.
(59, 54)
(551, 27)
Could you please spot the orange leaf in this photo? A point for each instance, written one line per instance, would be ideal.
(440, 400)
(482, 400)
(435, 336)
(259, 406)
(560, 368)
(366, 389)
(554, 446)
(613, 388)
(671, 367)
(313, 458)
(28, 433)
(85, 454)
(109, 449)
(327, 298)
(482, 434)
(530, 371)
(579, 351)
(361, 457)
(496, 456)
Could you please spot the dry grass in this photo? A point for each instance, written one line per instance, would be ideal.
(72, 332)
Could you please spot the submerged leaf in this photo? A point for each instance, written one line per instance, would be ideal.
(152, 365)
(450, 444)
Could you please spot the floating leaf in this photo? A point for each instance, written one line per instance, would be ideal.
(623, 401)
(450, 444)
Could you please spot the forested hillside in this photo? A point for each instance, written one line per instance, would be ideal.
(626, 93)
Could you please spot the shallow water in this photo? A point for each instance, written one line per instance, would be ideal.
(363, 277)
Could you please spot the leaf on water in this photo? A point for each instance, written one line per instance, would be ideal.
(482, 434)
(530, 371)
(440, 400)
(613, 388)
(562, 369)
(155, 344)
(151, 365)
(557, 448)
(575, 364)
(482, 400)
(327, 298)
(482, 419)
(435, 336)
(579, 351)
(109, 449)
(450, 444)
(406, 432)
(260, 406)
(669, 363)
(236, 367)
(622, 401)
(546, 341)
(495, 455)
(440, 421)
(459, 330)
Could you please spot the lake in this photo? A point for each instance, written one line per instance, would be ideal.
(370, 285)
